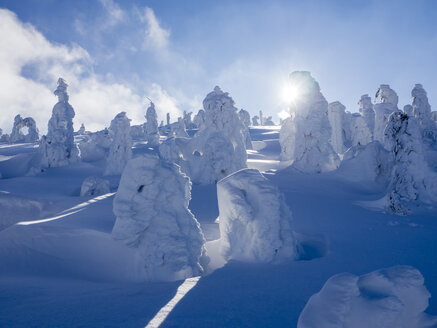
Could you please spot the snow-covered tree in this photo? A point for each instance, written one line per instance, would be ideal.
(94, 186)
(151, 206)
(254, 219)
(82, 130)
(360, 131)
(120, 151)
(422, 112)
(411, 179)
(245, 119)
(255, 121)
(305, 137)
(269, 121)
(215, 151)
(387, 105)
(151, 126)
(17, 134)
(366, 110)
(336, 116)
(408, 109)
(95, 146)
(199, 119)
(57, 148)
(168, 119)
(261, 118)
(179, 130)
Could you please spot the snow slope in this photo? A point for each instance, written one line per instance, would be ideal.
(61, 267)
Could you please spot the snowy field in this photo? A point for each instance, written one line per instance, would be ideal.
(61, 267)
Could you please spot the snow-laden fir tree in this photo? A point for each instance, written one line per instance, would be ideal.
(360, 132)
(215, 151)
(151, 206)
(255, 120)
(336, 116)
(255, 222)
(57, 148)
(269, 121)
(422, 112)
(151, 126)
(305, 137)
(199, 119)
(120, 151)
(366, 110)
(411, 180)
(179, 129)
(245, 119)
(17, 134)
(388, 103)
(82, 130)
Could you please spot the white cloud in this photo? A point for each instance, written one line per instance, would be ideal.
(115, 13)
(30, 66)
(156, 37)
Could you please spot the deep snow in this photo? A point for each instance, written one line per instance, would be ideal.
(61, 267)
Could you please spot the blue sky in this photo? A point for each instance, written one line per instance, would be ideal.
(114, 53)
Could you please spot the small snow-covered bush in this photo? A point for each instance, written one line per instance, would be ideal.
(18, 136)
(151, 206)
(93, 186)
(254, 219)
(391, 298)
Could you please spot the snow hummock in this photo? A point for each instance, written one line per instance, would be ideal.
(120, 150)
(254, 219)
(394, 297)
(411, 179)
(152, 212)
(57, 148)
(305, 137)
(17, 135)
(151, 126)
(94, 186)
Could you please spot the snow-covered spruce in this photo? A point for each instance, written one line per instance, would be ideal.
(93, 186)
(254, 219)
(17, 134)
(255, 120)
(137, 131)
(57, 148)
(151, 126)
(81, 130)
(336, 116)
(360, 132)
(178, 129)
(366, 110)
(199, 119)
(151, 206)
(245, 119)
(305, 137)
(411, 179)
(215, 151)
(422, 112)
(387, 105)
(395, 297)
(95, 146)
(120, 150)
(188, 121)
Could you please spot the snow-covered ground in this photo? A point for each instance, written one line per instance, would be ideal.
(60, 266)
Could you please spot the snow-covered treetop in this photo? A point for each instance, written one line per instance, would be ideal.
(365, 103)
(387, 95)
(217, 99)
(337, 106)
(61, 90)
(308, 91)
(151, 112)
(421, 107)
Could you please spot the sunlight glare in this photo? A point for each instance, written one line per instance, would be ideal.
(290, 93)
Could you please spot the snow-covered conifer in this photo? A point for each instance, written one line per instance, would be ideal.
(94, 186)
(366, 110)
(387, 105)
(245, 119)
(120, 151)
(422, 112)
(151, 126)
(17, 134)
(151, 206)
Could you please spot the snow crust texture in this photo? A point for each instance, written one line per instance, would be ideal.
(391, 298)
(120, 150)
(305, 137)
(254, 219)
(151, 206)
(57, 148)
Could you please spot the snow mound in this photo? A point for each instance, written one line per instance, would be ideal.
(120, 150)
(95, 146)
(254, 219)
(391, 298)
(152, 212)
(93, 186)
(364, 163)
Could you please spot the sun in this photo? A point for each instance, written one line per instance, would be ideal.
(290, 93)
